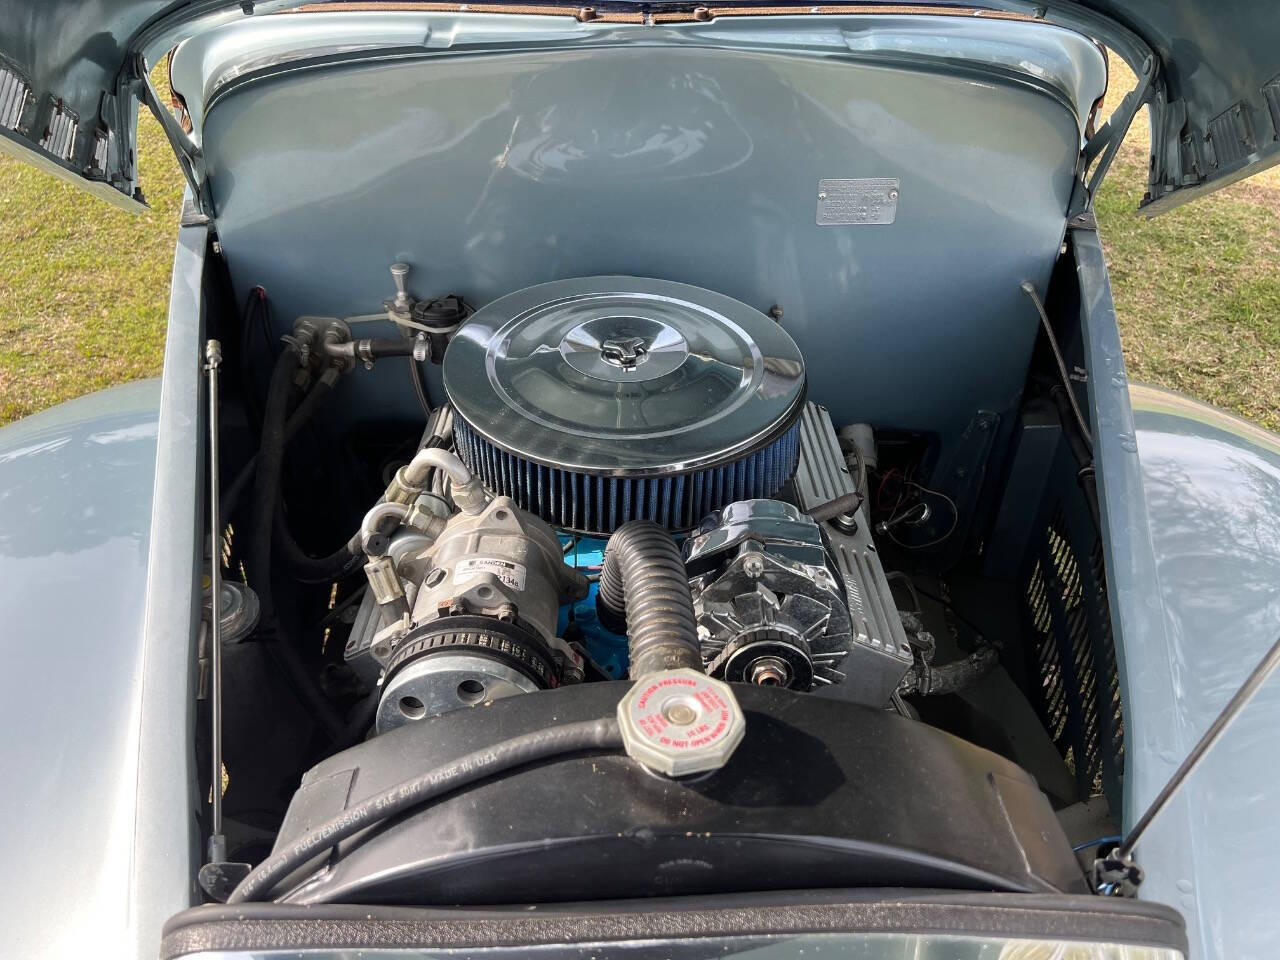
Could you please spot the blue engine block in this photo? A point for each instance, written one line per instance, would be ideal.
(606, 648)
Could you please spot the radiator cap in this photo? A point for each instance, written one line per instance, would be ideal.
(680, 722)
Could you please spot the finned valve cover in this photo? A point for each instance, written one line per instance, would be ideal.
(600, 400)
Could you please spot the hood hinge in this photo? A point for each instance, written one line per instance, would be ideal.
(189, 156)
(1105, 143)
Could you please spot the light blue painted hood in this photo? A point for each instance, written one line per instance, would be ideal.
(72, 75)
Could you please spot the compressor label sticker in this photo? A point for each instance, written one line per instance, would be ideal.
(866, 200)
(512, 574)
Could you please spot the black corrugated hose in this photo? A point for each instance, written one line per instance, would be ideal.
(586, 735)
(644, 585)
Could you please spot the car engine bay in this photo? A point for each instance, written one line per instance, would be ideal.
(631, 489)
(628, 511)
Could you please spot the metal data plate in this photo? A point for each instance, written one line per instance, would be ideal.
(865, 200)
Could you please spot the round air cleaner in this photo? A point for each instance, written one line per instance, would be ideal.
(595, 401)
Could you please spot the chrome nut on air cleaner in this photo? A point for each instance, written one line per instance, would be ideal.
(680, 722)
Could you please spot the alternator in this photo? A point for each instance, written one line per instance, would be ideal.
(770, 606)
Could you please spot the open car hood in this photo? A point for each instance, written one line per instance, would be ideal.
(72, 75)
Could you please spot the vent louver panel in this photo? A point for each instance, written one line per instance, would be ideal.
(13, 98)
(1079, 693)
(60, 136)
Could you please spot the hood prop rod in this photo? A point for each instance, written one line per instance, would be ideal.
(1116, 874)
(217, 877)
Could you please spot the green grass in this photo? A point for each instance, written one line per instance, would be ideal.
(1197, 290)
(84, 287)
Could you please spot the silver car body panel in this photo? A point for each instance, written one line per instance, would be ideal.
(1190, 501)
(76, 488)
(98, 598)
(166, 849)
(1212, 484)
(216, 59)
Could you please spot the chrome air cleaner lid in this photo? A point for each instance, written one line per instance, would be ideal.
(624, 377)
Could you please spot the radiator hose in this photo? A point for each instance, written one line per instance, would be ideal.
(644, 590)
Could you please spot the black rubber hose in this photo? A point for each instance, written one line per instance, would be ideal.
(266, 492)
(309, 569)
(848, 503)
(419, 388)
(297, 420)
(266, 487)
(381, 347)
(958, 674)
(587, 735)
(644, 585)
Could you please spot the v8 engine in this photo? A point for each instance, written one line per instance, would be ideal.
(637, 470)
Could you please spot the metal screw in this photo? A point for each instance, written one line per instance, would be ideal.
(893, 194)
(753, 566)
(822, 195)
(701, 13)
(586, 14)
